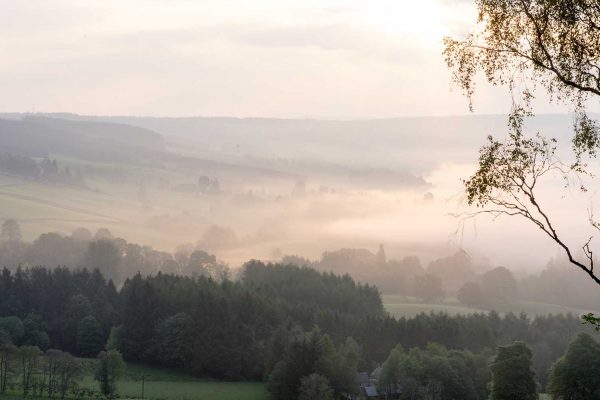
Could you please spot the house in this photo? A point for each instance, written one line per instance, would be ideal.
(368, 386)
(370, 392)
(363, 380)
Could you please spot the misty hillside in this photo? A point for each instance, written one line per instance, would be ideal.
(414, 144)
(39, 136)
(288, 200)
(272, 185)
(98, 141)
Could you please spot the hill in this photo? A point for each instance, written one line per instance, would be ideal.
(40, 136)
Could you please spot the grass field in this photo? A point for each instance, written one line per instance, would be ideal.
(164, 384)
(41, 208)
(174, 385)
(404, 306)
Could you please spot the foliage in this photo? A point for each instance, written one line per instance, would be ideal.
(471, 294)
(499, 284)
(549, 44)
(77, 308)
(7, 364)
(10, 231)
(29, 357)
(310, 354)
(103, 255)
(173, 339)
(434, 372)
(592, 320)
(60, 373)
(90, 336)
(512, 375)
(110, 368)
(35, 332)
(554, 44)
(390, 376)
(305, 285)
(242, 330)
(575, 375)
(54, 374)
(428, 288)
(315, 387)
(114, 257)
(13, 327)
(390, 276)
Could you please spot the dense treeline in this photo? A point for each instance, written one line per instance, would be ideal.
(57, 308)
(235, 330)
(116, 258)
(457, 276)
(435, 372)
(45, 170)
(473, 282)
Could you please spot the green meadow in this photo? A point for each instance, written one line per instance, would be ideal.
(165, 384)
(407, 307)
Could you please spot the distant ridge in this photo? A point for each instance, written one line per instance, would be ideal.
(39, 136)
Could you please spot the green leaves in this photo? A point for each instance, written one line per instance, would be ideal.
(575, 375)
(586, 140)
(553, 45)
(110, 368)
(508, 171)
(592, 320)
(512, 374)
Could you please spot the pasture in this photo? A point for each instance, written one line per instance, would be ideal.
(165, 384)
(407, 307)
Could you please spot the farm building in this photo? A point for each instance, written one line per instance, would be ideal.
(368, 386)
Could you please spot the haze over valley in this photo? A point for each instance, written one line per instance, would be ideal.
(276, 186)
(315, 200)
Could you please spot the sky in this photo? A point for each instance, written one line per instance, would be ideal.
(328, 59)
(336, 59)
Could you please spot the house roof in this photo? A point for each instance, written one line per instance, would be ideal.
(370, 391)
(362, 378)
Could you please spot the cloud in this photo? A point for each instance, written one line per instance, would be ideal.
(336, 58)
(457, 2)
(20, 19)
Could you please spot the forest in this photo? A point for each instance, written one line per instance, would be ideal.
(282, 200)
(260, 326)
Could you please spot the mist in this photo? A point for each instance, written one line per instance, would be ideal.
(295, 187)
(283, 200)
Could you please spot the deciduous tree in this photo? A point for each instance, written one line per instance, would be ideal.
(315, 387)
(529, 45)
(428, 288)
(512, 375)
(110, 368)
(577, 374)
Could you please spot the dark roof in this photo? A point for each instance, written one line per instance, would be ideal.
(362, 378)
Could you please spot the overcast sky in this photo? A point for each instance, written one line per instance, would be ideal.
(265, 58)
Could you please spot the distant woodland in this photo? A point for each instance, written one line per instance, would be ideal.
(73, 287)
(189, 311)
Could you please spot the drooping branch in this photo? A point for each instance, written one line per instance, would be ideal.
(506, 180)
(552, 45)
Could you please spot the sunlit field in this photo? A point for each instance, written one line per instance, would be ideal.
(407, 307)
